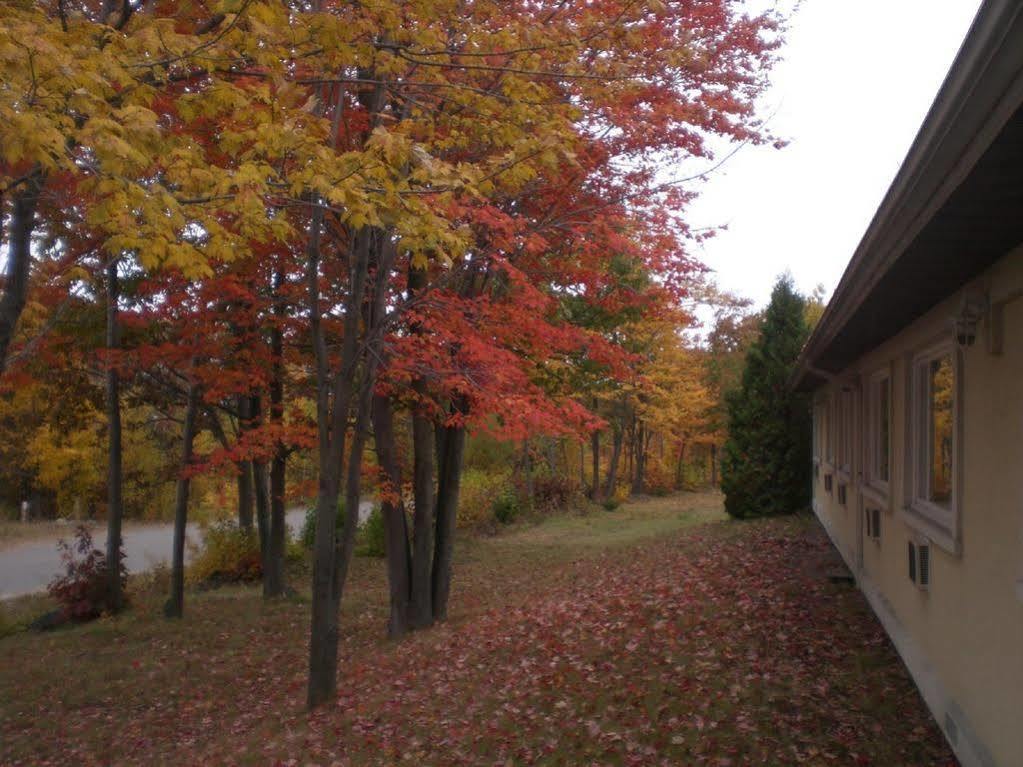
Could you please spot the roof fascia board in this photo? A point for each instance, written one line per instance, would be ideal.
(980, 93)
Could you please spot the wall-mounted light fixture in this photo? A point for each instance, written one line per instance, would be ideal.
(971, 310)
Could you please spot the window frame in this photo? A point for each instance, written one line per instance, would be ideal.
(845, 405)
(828, 434)
(880, 488)
(819, 415)
(941, 525)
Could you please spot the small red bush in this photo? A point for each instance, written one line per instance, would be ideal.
(552, 493)
(84, 590)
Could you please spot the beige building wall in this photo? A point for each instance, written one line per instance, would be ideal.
(962, 637)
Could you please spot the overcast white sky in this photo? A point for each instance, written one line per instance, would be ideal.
(857, 79)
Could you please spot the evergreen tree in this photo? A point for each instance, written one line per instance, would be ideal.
(765, 467)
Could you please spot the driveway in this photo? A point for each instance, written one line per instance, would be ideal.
(30, 566)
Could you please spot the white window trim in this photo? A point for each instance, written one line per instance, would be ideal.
(877, 490)
(942, 526)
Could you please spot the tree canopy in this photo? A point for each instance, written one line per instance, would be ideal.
(277, 229)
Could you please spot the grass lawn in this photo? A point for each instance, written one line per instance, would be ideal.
(660, 633)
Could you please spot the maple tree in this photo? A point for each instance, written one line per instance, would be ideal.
(437, 198)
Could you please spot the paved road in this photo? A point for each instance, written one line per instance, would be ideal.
(30, 566)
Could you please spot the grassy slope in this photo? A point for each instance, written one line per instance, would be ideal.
(656, 634)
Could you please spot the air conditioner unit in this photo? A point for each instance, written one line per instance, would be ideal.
(872, 523)
(920, 563)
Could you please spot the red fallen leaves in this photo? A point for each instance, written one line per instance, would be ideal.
(721, 647)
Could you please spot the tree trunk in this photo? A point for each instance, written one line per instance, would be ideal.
(550, 454)
(421, 607)
(595, 447)
(527, 470)
(423, 524)
(245, 480)
(19, 261)
(582, 465)
(115, 510)
(612, 469)
(449, 479)
(246, 501)
(346, 546)
(273, 576)
(175, 607)
(259, 484)
(333, 407)
(681, 465)
(396, 543)
(273, 568)
(396, 533)
(640, 451)
(713, 465)
(334, 396)
(629, 446)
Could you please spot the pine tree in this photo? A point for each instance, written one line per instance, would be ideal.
(765, 467)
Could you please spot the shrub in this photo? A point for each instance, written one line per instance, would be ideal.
(308, 534)
(476, 497)
(228, 554)
(8, 625)
(156, 580)
(505, 507)
(83, 592)
(553, 492)
(658, 479)
(294, 551)
(610, 504)
(372, 535)
(488, 454)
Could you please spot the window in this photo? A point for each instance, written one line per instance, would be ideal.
(844, 432)
(828, 431)
(819, 411)
(872, 523)
(934, 454)
(818, 425)
(879, 431)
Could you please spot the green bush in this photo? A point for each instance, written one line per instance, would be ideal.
(227, 554)
(308, 534)
(505, 508)
(478, 490)
(294, 551)
(8, 626)
(488, 454)
(610, 504)
(371, 535)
